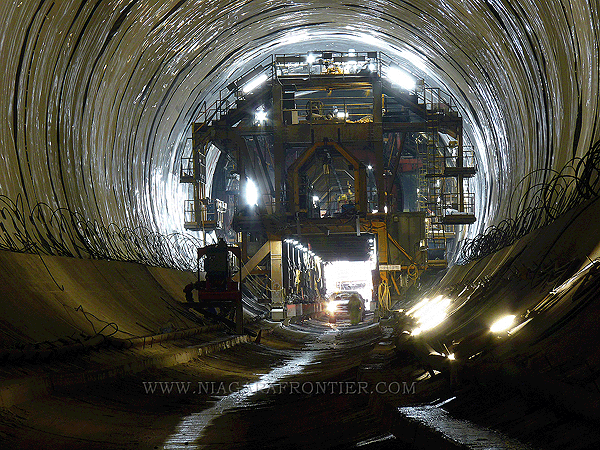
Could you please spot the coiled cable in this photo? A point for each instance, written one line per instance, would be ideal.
(542, 203)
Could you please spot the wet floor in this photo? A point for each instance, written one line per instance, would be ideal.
(463, 432)
(251, 396)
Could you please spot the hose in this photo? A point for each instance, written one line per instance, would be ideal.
(413, 272)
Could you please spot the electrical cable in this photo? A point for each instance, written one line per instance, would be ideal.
(383, 292)
(62, 232)
(542, 203)
(413, 272)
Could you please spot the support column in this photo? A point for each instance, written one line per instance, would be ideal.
(278, 148)
(382, 241)
(382, 256)
(243, 239)
(199, 175)
(460, 178)
(378, 142)
(277, 297)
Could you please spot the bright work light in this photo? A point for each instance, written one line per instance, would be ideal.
(251, 192)
(398, 76)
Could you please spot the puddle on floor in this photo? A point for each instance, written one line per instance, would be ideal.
(191, 429)
(461, 431)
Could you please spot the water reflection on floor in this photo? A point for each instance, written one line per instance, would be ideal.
(192, 427)
(190, 431)
(461, 431)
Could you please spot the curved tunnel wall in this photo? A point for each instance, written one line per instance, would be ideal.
(98, 96)
(44, 300)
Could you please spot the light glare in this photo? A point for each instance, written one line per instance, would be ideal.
(502, 324)
(254, 83)
(429, 313)
(401, 78)
(260, 116)
(251, 192)
(350, 275)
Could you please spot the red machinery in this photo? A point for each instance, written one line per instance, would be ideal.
(218, 294)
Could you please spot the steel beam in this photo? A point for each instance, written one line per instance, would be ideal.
(378, 142)
(277, 296)
(278, 148)
(253, 262)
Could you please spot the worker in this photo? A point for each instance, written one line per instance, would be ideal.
(355, 309)
(189, 292)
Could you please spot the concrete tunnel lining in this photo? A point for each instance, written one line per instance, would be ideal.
(99, 97)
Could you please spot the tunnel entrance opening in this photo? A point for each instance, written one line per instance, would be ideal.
(351, 276)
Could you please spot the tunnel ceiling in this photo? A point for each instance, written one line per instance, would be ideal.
(98, 96)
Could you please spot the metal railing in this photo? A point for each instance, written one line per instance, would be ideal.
(310, 64)
(451, 203)
(187, 168)
(326, 63)
(438, 158)
(347, 109)
(437, 101)
(210, 215)
(233, 92)
(454, 160)
(434, 99)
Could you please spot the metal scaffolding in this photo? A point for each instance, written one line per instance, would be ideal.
(337, 145)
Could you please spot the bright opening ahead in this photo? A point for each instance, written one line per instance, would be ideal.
(350, 276)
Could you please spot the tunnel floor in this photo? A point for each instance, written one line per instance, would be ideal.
(295, 389)
(302, 385)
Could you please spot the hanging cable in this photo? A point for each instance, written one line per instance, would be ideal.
(62, 232)
(383, 292)
(542, 203)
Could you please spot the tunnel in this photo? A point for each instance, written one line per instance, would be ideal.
(183, 179)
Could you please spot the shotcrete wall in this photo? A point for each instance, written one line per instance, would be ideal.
(49, 298)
